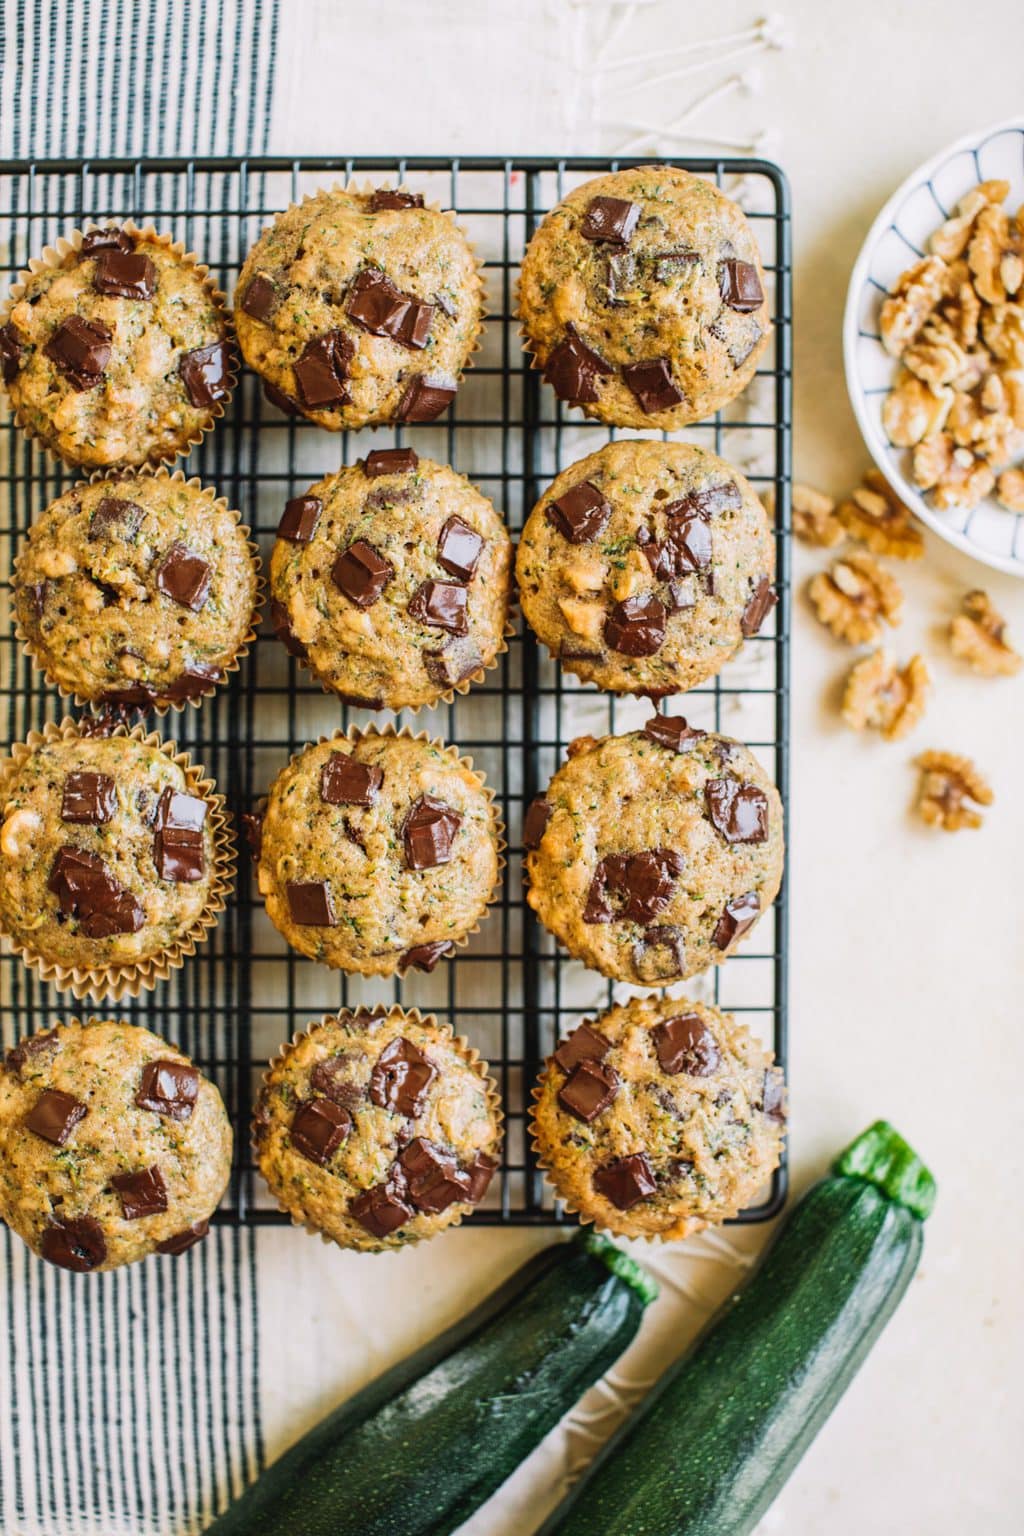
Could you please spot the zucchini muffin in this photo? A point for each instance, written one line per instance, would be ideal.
(378, 851)
(112, 1146)
(391, 579)
(377, 1128)
(360, 307)
(650, 855)
(645, 566)
(115, 349)
(136, 590)
(659, 1119)
(642, 298)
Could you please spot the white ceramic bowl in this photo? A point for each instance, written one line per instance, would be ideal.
(898, 238)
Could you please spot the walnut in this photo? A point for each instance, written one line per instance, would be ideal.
(1013, 389)
(956, 476)
(936, 357)
(994, 253)
(946, 782)
(1010, 490)
(814, 518)
(1002, 326)
(876, 517)
(932, 459)
(912, 411)
(854, 596)
(961, 312)
(950, 239)
(884, 696)
(978, 636)
(913, 299)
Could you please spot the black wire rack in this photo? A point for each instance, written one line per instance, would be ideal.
(511, 991)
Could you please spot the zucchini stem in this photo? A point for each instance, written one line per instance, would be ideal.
(881, 1157)
(618, 1263)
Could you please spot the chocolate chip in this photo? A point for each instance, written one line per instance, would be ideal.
(260, 298)
(322, 370)
(401, 1078)
(109, 239)
(739, 283)
(442, 605)
(343, 781)
(580, 515)
(86, 890)
(114, 515)
(18, 1057)
(252, 830)
(388, 496)
(686, 546)
(611, 219)
(390, 461)
(78, 1245)
(738, 811)
(358, 701)
(11, 352)
(142, 1194)
(300, 518)
(382, 1209)
(425, 397)
(626, 1181)
(184, 577)
(282, 628)
(38, 593)
(429, 833)
(361, 573)
(571, 649)
(538, 814)
(180, 811)
(424, 957)
(385, 198)
(169, 1088)
(773, 1095)
(633, 887)
(331, 1079)
(673, 732)
(685, 1044)
(459, 548)
(178, 855)
(636, 627)
(621, 273)
(659, 954)
(759, 604)
(181, 1242)
(206, 374)
(722, 496)
(573, 369)
(653, 386)
(310, 904)
(584, 1044)
(738, 915)
(90, 798)
(375, 304)
(452, 665)
(81, 351)
(278, 398)
(433, 1176)
(669, 265)
(589, 1090)
(54, 1116)
(318, 1129)
(480, 1172)
(124, 275)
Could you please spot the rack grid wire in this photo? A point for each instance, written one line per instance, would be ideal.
(511, 991)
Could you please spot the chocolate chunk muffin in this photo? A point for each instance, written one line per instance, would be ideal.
(112, 1146)
(650, 855)
(114, 857)
(660, 1118)
(115, 349)
(139, 589)
(377, 1128)
(360, 307)
(378, 851)
(644, 566)
(391, 579)
(642, 298)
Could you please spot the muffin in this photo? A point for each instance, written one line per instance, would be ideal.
(378, 851)
(115, 349)
(391, 579)
(663, 1117)
(137, 590)
(651, 855)
(642, 298)
(360, 307)
(114, 857)
(112, 1146)
(377, 1128)
(645, 566)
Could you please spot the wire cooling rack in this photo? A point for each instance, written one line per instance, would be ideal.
(512, 992)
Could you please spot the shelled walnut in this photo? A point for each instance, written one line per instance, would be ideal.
(814, 517)
(875, 516)
(854, 597)
(978, 636)
(946, 782)
(882, 696)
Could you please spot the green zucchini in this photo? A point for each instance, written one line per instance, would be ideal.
(415, 1452)
(708, 1450)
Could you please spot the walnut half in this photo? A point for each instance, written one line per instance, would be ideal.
(876, 517)
(978, 636)
(854, 596)
(814, 517)
(885, 697)
(947, 781)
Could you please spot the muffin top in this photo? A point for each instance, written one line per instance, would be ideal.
(377, 852)
(377, 1128)
(391, 578)
(118, 354)
(660, 1118)
(642, 298)
(650, 855)
(107, 854)
(360, 308)
(644, 566)
(112, 1145)
(136, 590)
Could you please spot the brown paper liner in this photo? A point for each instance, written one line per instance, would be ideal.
(382, 1011)
(208, 496)
(113, 982)
(54, 256)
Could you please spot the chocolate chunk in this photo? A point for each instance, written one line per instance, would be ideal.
(78, 1245)
(686, 546)
(142, 1194)
(206, 374)
(626, 1181)
(18, 1057)
(571, 649)
(278, 398)
(382, 1209)
(184, 577)
(81, 351)
(388, 496)
(636, 627)
(621, 277)
(310, 903)
(283, 630)
(589, 1090)
(739, 283)
(429, 833)
(738, 811)
(194, 681)
(433, 1176)
(480, 1172)
(54, 1116)
(178, 855)
(722, 496)
(773, 1095)
(300, 518)
(738, 915)
(361, 573)
(89, 798)
(124, 275)
(359, 702)
(633, 887)
(114, 515)
(252, 828)
(535, 822)
(181, 1242)
(318, 1129)
(11, 352)
(685, 1044)
(401, 1078)
(322, 370)
(38, 592)
(459, 548)
(442, 605)
(584, 1044)
(375, 304)
(759, 604)
(86, 890)
(386, 198)
(424, 957)
(425, 397)
(611, 219)
(673, 732)
(169, 1088)
(332, 1079)
(180, 811)
(390, 461)
(343, 781)
(260, 298)
(580, 515)
(668, 265)
(573, 369)
(653, 385)
(660, 954)
(109, 239)
(452, 665)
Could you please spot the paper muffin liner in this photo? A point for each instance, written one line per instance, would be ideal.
(54, 256)
(356, 733)
(116, 981)
(469, 1054)
(362, 189)
(208, 496)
